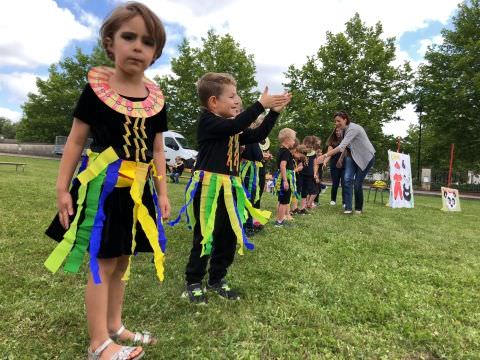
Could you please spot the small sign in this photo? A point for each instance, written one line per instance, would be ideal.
(450, 199)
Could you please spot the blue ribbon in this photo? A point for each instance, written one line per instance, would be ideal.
(96, 235)
(162, 238)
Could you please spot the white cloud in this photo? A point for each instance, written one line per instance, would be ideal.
(18, 85)
(10, 114)
(425, 43)
(399, 128)
(160, 70)
(35, 33)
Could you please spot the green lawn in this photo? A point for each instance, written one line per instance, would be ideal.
(390, 284)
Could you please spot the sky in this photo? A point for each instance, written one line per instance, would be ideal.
(37, 33)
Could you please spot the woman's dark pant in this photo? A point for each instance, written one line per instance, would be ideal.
(337, 180)
(353, 180)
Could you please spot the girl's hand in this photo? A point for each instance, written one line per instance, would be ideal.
(285, 185)
(164, 205)
(65, 208)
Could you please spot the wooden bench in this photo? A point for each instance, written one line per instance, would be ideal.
(17, 165)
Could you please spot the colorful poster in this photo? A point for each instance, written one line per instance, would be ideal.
(450, 199)
(401, 188)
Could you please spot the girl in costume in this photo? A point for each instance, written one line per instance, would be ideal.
(216, 202)
(117, 201)
(285, 183)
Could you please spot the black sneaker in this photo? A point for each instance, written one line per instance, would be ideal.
(303, 212)
(195, 293)
(249, 232)
(223, 290)
(279, 223)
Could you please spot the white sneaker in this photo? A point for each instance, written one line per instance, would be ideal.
(333, 203)
(358, 212)
(343, 205)
(347, 212)
(323, 191)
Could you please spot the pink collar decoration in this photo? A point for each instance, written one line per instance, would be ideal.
(99, 77)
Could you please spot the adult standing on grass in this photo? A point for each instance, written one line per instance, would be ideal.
(358, 161)
(111, 209)
(337, 168)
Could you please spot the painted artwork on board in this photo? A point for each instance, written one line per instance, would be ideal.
(401, 187)
(450, 199)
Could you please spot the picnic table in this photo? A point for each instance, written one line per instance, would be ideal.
(16, 164)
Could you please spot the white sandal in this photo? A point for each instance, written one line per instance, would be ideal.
(123, 354)
(144, 338)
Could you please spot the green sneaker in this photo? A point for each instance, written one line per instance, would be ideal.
(195, 293)
(223, 290)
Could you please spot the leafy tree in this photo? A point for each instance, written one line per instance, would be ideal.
(49, 113)
(8, 128)
(448, 89)
(216, 54)
(353, 71)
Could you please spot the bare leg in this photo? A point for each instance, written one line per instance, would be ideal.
(96, 302)
(116, 293)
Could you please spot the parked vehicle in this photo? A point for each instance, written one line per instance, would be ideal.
(176, 145)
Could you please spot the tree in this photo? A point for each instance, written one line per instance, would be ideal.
(448, 89)
(8, 128)
(49, 113)
(353, 71)
(216, 54)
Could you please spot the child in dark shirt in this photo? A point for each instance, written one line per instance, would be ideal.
(286, 173)
(215, 198)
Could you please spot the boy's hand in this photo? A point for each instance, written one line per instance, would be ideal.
(288, 98)
(271, 101)
(300, 167)
(164, 205)
(285, 185)
(65, 208)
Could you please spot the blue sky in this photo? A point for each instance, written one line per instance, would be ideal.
(51, 31)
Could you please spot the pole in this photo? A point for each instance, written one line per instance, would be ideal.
(399, 139)
(452, 150)
(419, 147)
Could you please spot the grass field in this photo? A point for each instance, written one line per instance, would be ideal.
(389, 284)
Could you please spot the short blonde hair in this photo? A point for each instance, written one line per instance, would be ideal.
(286, 133)
(126, 12)
(213, 84)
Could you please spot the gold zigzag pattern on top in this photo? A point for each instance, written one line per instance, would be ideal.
(127, 136)
(230, 152)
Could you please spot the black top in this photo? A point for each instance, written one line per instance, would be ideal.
(252, 152)
(107, 125)
(334, 159)
(219, 139)
(285, 155)
(308, 166)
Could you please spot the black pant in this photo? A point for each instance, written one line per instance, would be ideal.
(261, 184)
(337, 180)
(223, 249)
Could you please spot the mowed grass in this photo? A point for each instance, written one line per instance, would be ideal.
(390, 284)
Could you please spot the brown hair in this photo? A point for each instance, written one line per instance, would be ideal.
(343, 115)
(212, 84)
(333, 139)
(127, 12)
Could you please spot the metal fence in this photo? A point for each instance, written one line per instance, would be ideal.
(464, 181)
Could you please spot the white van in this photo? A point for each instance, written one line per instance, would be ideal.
(174, 145)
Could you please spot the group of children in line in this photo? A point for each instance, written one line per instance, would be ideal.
(116, 205)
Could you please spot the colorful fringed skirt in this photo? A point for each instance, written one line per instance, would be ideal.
(292, 183)
(116, 213)
(236, 201)
(250, 175)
